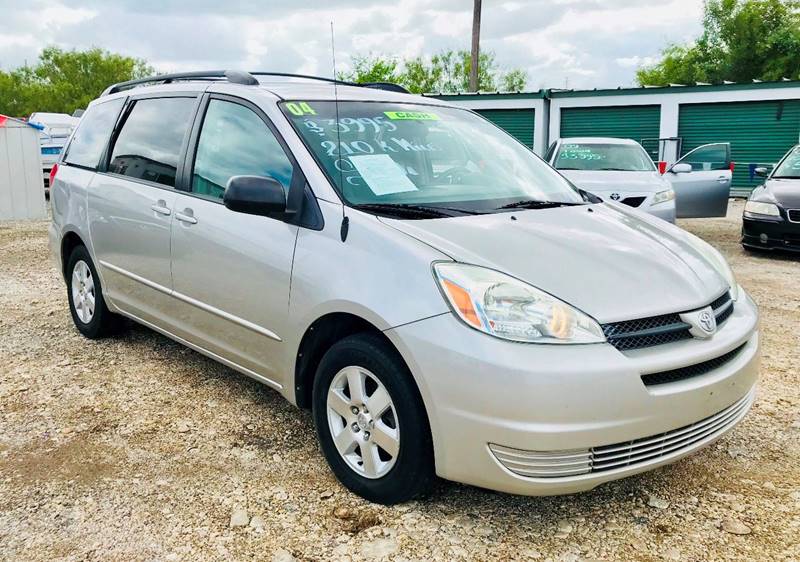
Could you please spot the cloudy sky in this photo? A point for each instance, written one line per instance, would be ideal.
(582, 43)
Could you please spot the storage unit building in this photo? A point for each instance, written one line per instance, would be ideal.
(21, 186)
(638, 122)
(522, 115)
(760, 120)
(760, 132)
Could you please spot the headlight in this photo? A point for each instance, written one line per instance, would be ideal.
(507, 308)
(663, 196)
(759, 208)
(720, 264)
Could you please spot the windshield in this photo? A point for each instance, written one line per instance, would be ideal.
(790, 166)
(617, 157)
(426, 156)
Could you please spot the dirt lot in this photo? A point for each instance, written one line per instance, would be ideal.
(136, 448)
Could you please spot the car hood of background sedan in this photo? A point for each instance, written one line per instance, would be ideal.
(611, 263)
(785, 193)
(608, 181)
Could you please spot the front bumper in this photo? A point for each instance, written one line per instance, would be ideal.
(480, 391)
(770, 233)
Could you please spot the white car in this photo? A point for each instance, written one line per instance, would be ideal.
(615, 170)
(54, 130)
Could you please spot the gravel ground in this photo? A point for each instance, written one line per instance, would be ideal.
(136, 448)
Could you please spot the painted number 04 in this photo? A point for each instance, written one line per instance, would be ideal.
(300, 108)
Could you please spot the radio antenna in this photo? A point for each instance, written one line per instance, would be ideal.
(345, 221)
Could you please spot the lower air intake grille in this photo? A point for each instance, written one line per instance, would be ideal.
(690, 371)
(564, 464)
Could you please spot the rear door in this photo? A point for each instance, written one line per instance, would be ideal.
(704, 191)
(231, 271)
(132, 201)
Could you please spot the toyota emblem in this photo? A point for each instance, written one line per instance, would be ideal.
(615, 196)
(707, 322)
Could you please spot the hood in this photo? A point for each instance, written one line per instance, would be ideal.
(609, 262)
(785, 193)
(606, 182)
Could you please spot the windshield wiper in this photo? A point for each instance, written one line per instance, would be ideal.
(615, 170)
(405, 209)
(536, 204)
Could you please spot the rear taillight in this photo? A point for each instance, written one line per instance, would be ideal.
(53, 172)
(733, 165)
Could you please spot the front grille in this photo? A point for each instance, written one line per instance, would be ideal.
(633, 201)
(564, 464)
(794, 215)
(658, 330)
(690, 371)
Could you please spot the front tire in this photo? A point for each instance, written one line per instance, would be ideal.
(370, 421)
(85, 294)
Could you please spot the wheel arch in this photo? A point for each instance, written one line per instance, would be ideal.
(69, 242)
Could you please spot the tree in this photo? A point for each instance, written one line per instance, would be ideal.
(371, 68)
(742, 40)
(63, 81)
(447, 71)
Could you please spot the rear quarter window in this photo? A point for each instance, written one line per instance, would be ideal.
(92, 135)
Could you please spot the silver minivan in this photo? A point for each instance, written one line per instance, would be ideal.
(442, 300)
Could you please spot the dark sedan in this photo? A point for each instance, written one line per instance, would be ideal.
(772, 214)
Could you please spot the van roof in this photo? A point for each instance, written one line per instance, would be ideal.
(281, 85)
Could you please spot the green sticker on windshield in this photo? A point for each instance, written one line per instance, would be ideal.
(411, 115)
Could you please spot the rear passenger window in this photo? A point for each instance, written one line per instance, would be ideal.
(234, 141)
(93, 133)
(149, 145)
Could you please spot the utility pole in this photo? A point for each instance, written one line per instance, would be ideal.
(476, 41)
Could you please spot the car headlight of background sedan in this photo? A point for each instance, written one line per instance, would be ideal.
(507, 308)
(663, 196)
(717, 260)
(761, 208)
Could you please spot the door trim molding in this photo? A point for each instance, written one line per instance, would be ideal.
(228, 363)
(194, 302)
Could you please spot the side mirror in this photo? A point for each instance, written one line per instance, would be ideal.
(761, 172)
(681, 168)
(255, 195)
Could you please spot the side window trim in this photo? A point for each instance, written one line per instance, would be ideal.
(295, 196)
(130, 102)
(103, 152)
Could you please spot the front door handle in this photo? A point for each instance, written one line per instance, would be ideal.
(161, 208)
(187, 218)
(722, 179)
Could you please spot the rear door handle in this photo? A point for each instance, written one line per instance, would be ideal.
(188, 219)
(161, 208)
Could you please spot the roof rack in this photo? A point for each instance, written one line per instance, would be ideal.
(241, 77)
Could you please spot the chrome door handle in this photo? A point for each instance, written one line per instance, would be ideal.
(161, 209)
(722, 179)
(188, 219)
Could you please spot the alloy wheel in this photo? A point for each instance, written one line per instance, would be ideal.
(363, 422)
(83, 293)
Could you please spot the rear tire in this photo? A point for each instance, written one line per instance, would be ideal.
(85, 295)
(370, 421)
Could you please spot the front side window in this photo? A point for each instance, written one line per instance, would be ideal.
(709, 157)
(603, 156)
(93, 133)
(149, 144)
(409, 154)
(234, 141)
(790, 166)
